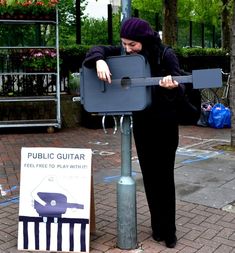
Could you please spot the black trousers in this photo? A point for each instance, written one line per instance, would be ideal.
(156, 145)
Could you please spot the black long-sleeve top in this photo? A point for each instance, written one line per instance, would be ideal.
(163, 106)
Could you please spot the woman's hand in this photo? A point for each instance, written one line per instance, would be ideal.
(103, 71)
(168, 83)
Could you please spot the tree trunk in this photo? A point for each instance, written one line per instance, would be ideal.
(225, 21)
(78, 21)
(232, 87)
(170, 22)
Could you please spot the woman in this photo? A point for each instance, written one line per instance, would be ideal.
(155, 128)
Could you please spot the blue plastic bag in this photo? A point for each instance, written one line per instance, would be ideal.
(220, 116)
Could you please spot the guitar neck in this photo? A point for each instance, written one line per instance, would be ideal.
(150, 81)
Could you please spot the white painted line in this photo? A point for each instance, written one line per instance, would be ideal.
(197, 154)
(3, 193)
(102, 152)
(98, 143)
(204, 141)
(198, 138)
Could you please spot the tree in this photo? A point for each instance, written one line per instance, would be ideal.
(68, 29)
(226, 22)
(169, 16)
(232, 93)
(153, 5)
(169, 30)
(97, 27)
(150, 10)
(219, 12)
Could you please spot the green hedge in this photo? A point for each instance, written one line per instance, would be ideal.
(185, 52)
(72, 56)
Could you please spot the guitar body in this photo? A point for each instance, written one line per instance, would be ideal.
(115, 98)
(130, 89)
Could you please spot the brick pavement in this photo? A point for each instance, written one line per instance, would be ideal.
(199, 228)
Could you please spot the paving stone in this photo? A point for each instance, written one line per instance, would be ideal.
(204, 184)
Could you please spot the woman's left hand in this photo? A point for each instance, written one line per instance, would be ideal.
(168, 83)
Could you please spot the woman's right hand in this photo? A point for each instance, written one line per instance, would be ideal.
(103, 71)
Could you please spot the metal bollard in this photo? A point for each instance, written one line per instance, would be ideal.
(126, 191)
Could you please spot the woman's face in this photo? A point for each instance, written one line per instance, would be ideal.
(131, 46)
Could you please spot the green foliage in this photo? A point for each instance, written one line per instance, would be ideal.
(72, 57)
(206, 11)
(116, 29)
(148, 9)
(74, 50)
(67, 20)
(94, 31)
(67, 34)
(39, 60)
(25, 35)
(147, 5)
(185, 52)
(33, 9)
(73, 82)
(67, 10)
(203, 11)
(79, 51)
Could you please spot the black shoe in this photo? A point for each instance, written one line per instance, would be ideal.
(171, 241)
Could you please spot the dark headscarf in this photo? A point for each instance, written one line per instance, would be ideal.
(136, 29)
(139, 30)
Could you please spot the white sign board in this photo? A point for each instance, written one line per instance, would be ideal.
(54, 208)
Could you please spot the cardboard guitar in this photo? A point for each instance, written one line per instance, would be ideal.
(130, 88)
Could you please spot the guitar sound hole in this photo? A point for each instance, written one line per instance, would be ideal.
(126, 82)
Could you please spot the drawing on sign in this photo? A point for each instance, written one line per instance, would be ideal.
(52, 204)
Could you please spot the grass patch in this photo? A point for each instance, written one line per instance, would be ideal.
(225, 147)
